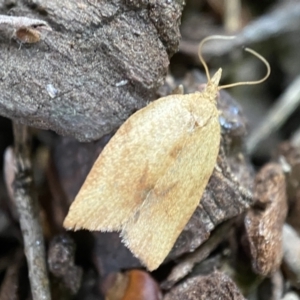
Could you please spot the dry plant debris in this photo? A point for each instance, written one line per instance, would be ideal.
(26, 201)
(214, 287)
(264, 221)
(185, 266)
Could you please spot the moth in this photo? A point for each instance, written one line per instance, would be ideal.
(150, 177)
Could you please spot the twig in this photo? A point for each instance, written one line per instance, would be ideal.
(285, 18)
(26, 202)
(232, 18)
(278, 114)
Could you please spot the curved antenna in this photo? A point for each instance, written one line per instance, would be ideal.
(212, 37)
(250, 82)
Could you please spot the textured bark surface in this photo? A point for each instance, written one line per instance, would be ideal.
(214, 287)
(102, 61)
(264, 221)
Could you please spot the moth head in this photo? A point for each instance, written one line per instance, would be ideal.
(216, 78)
(212, 85)
(214, 81)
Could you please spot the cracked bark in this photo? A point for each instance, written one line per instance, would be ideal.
(101, 62)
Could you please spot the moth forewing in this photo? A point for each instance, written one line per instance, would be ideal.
(130, 165)
(150, 177)
(152, 231)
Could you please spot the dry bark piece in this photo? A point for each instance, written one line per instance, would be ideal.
(134, 284)
(214, 287)
(109, 53)
(61, 262)
(265, 220)
(288, 155)
(185, 266)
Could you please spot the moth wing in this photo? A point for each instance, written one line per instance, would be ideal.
(153, 230)
(130, 165)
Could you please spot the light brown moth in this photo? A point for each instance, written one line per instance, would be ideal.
(150, 177)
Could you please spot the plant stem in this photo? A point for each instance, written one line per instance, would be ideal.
(27, 205)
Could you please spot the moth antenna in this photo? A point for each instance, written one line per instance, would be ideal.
(250, 82)
(212, 37)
